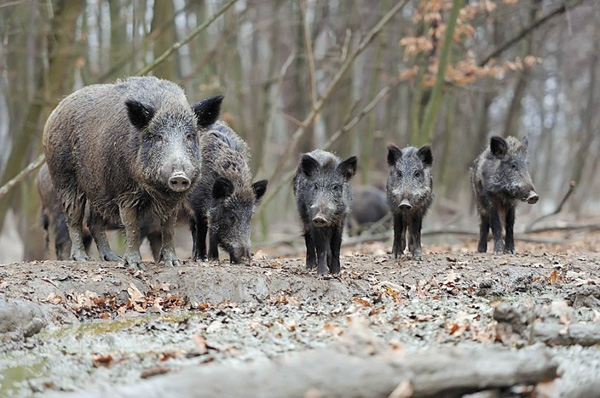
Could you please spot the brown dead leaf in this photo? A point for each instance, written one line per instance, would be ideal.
(553, 277)
(135, 296)
(333, 329)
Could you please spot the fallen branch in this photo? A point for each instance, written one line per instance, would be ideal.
(558, 209)
(329, 373)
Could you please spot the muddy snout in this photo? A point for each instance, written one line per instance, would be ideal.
(532, 198)
(179, 182)
(405, 205)
(240, 254)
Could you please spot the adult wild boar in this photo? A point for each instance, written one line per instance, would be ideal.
(224, 200)
(500, 179)
(323, 196)
(130, 149)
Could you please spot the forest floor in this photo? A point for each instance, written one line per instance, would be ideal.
(99, 329)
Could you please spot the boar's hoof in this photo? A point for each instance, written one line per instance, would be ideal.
(79, 256)
(311, 264)
(110, 256)
(133, 261)
(169, 258)
(178, 182)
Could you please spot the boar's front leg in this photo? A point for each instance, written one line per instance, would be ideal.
(132, 256)
(97, 229)
(322, 243)
(167, 251)
(311, 257)
(484, 229)
(496, 230)
(336, 244)
(213, 247)
(200, 231)
(399, 235)
(509, 239)
(414, 236)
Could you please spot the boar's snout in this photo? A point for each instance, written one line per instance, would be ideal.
(319, 220)
(533, 197)
(405, 205)
(179, 182)
(239, 254)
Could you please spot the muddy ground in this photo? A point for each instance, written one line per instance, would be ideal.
(96, 329)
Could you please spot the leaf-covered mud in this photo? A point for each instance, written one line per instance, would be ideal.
(71, 327)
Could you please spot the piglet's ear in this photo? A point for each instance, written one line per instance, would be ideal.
(498, 146)
(208, 110)
(222, 188)
(348, 167)
(425, 155)
(525, 142)
(139, 114)
(259, 187)
(308, 165)
(394, 153)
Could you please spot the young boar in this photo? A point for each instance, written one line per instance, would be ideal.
(225, 198)
(130, 150)
(323, 196)
(410, 193)
(500, 178)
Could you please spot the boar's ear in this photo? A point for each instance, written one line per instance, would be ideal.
(308, 165)
(207, 111)
(394, 153)
(139, 114)
(348, 167)
(525, 142)
(425, 155)
(259, 187)
(498, 146)
(222, 188)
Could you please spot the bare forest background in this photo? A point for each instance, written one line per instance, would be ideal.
(347, 76)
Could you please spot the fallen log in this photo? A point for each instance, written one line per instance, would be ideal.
(330, 373)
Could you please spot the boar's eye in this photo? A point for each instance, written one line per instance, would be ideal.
(337, 187)
(513, 166)
(316, 186)
(417, 174)
(190, 136)
(399, 174)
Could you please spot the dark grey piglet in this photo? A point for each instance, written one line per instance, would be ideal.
(224, 201)
(500, 179)
(410, 193)
(130, 150)
(323, 195)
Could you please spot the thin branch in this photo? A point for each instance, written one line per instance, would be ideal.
(31, 167)
(309, 53)
(187, 39)
(299, 133)
(558, 209)
(536, 24)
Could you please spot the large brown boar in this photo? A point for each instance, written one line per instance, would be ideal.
(130, 150)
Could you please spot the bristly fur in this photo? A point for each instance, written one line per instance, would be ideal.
(224, 201)
(116, 147)
(323, 197)
(499, 179)
(410, 194)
